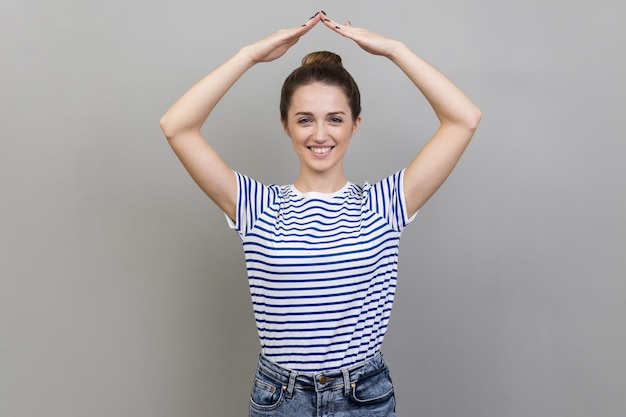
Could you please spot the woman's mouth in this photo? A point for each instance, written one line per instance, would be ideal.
(321, 150)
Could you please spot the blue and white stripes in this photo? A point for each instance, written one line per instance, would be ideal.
(322, 269)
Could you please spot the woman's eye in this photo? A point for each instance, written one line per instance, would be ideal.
(304, 120)
(335, 120)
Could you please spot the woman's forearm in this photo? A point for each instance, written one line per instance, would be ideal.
(191, 110)
(450, 104)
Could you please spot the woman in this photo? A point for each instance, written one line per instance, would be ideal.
(322, 252)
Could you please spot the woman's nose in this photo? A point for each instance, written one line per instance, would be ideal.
(320, 132)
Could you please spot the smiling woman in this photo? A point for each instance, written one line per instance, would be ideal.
(322, 252)
(320, 124)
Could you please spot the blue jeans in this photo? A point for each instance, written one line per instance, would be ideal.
(362, 390)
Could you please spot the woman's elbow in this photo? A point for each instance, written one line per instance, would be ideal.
(466, 119)
(166, 126)
(473, 118)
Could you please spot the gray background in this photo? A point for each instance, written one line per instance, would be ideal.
(123, 292)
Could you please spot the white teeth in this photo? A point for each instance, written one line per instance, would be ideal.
(321, 150)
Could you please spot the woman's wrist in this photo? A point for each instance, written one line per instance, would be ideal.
(245, 54)
(396, 50)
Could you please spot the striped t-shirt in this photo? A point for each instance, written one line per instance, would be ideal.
(322, 268)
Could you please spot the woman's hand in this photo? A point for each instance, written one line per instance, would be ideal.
(370, 41)
(277, 44)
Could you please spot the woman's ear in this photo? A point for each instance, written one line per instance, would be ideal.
(285, 128)
(356, 125)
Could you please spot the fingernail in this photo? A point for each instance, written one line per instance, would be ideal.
(337, 27)
(326, 20)
(314, 15)
(324, 12)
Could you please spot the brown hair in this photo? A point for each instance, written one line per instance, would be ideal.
(326, 68)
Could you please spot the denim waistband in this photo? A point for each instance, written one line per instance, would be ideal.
(321, 381)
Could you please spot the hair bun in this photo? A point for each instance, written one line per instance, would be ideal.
(322, 57)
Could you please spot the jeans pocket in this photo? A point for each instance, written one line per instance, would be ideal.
(373, 389)
(266, 394)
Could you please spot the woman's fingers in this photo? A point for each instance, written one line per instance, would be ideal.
(331, 24)
(369, 41)
(296, 33)
(344, 30)
(313, 20)
(276, 44)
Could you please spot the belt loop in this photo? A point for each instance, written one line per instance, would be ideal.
(346, 381)
(292, 383)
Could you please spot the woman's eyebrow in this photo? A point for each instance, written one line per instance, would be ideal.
(308, 113)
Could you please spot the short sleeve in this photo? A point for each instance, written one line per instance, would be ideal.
(386, 198)
(253, 198)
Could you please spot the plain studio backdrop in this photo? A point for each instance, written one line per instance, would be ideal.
(123, 292)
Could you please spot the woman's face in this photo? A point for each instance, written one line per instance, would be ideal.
(319, 123)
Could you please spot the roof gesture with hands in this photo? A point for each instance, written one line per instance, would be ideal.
(433, 163)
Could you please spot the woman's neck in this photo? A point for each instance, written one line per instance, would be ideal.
(321, 183)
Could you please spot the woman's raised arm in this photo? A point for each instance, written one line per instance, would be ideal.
(458, 115)
(182, 122)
